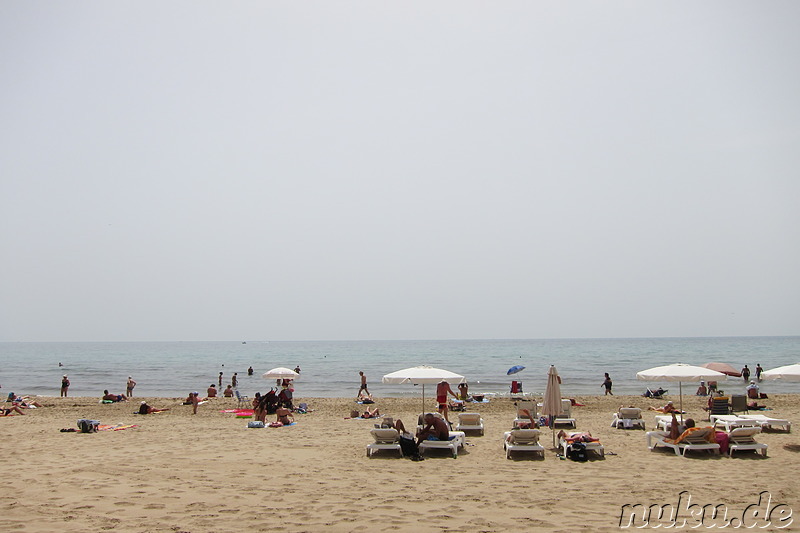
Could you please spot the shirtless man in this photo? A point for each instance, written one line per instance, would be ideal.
(129, 387)
(212, 391)
(363, 386)
(442, 390)
(435, 429)
(114, 397)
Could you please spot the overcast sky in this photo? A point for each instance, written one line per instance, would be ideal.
(405, 170)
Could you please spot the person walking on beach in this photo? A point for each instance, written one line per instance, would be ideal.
(746, 374)
(64, 386)
(759, 370)
(607, 385)
(234, 380)
(363, 383)
(129, 387)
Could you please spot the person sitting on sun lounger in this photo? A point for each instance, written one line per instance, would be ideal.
(435, 429)
(690, 428)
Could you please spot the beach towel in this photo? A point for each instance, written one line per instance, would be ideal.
(279, 425)
(118, 427)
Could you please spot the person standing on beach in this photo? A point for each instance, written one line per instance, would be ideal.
(195, 402)
(129, 387)
(234, 380)
(607, 384)
(64, 386)
(442, 390)
(363, 383)
(746, 374)
(220, 379)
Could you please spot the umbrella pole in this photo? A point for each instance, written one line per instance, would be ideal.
(423, 399)
(680, 392)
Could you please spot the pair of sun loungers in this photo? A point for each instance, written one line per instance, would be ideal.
(389, 439)
(762, 421)
(739, 439)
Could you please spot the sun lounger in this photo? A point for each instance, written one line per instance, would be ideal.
(470, 422)
(522, 440)
(566, 414)
(628, 417)
(733, 421)
(768, 422)
(742, 439)
(530, 406)
(456, 441)
(665, 421)
(591, 446)
(385, 439)
(695, 441)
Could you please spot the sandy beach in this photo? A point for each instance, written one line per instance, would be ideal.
(178, 472)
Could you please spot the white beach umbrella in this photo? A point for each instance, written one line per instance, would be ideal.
(786, 373)
(422, 375)
(681, 373)
(280, 373)
(551, 407)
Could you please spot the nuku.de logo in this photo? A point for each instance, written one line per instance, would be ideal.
(763, 513)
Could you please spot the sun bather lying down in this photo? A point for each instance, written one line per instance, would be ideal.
(576, 437)
(710, 436)
(667, 409)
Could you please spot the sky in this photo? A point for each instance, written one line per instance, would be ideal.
(398, 170)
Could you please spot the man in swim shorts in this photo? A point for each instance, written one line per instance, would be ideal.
(442, 390)
(435, 429)
(363, 383)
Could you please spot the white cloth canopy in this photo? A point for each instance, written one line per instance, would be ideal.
(788, 373)
(680, 372)
(422, 375)
(280, 373)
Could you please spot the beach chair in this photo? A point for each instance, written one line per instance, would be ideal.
(241, 398)
(521, 406)
(742, 439)
(385, 439)
(697, 440)
(719, 406)
(739, 403)
(455, 442)
(768, 422)
(729, 422)
(470, 422)
(591, 446)
(522, 440)
(627, 418)
(565, 418)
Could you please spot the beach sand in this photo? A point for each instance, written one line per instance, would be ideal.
(177, 472)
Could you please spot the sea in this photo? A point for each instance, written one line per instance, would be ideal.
(330, 368)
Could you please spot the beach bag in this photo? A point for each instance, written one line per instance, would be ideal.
(577, 452)
(255, 424)
(88, 426)
(409, 447)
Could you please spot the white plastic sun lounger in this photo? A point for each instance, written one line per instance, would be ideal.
(385, 439)
(742, 439)
(664, 421)
(695, 441)
(592, 446)
(456, 441)
(628, 417)
(522, 405)
(470, 422)
(733, 421)
(768, 422)
(522, 440)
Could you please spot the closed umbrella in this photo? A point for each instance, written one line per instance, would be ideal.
(786, 373)
(422, 375)
(551, 407)
(681, 373)
(725, 368)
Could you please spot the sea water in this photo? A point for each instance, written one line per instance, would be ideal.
(330, 369)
